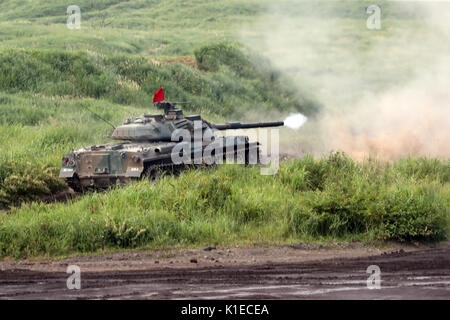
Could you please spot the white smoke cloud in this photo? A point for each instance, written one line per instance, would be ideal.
(295, 121)
(385, 91)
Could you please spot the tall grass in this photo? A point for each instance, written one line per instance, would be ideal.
(329, 198)
(343, 197)
(46, 95)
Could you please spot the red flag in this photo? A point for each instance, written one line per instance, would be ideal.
(158, 96)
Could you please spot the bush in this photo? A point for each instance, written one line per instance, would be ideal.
(211, 57)
(413, 211)
(25, 181)
(343, 197)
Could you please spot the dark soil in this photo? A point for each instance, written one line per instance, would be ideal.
(256, 273)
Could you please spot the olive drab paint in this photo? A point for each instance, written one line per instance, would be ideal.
(151, 144)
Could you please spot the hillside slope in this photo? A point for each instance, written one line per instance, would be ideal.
(146, 27)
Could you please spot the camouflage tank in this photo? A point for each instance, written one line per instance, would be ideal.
(147, 149)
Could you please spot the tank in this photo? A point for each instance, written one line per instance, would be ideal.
(147, 147)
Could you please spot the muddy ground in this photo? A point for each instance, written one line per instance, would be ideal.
(281, 272)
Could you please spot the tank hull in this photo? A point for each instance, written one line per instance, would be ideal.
(108, 165)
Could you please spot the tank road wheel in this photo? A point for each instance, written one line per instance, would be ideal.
(153, 173)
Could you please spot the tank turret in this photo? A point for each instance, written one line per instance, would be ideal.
(160, 127)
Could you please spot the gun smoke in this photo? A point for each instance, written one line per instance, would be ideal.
(295, 121)
(385, 92)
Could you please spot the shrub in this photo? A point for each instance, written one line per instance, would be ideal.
(344, 197)
(411, 211)
(211, 57)
(23, 181)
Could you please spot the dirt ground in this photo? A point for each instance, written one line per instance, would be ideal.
(280, 272)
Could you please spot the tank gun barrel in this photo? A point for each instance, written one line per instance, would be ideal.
(238, 125)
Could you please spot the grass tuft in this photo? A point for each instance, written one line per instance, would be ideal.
(329, 198)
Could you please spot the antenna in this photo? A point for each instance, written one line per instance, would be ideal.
(99, 116)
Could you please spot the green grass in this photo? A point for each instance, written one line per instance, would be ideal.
(209, 53)
(166, 27)
(46, 96)
(239, 85)
(148, 27)
(334, 198)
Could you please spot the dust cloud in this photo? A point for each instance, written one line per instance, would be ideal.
(385, 92)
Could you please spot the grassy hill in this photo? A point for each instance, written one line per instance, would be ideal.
(146, 27)
(210, 53)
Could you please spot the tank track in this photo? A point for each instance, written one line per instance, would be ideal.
(152, 172)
